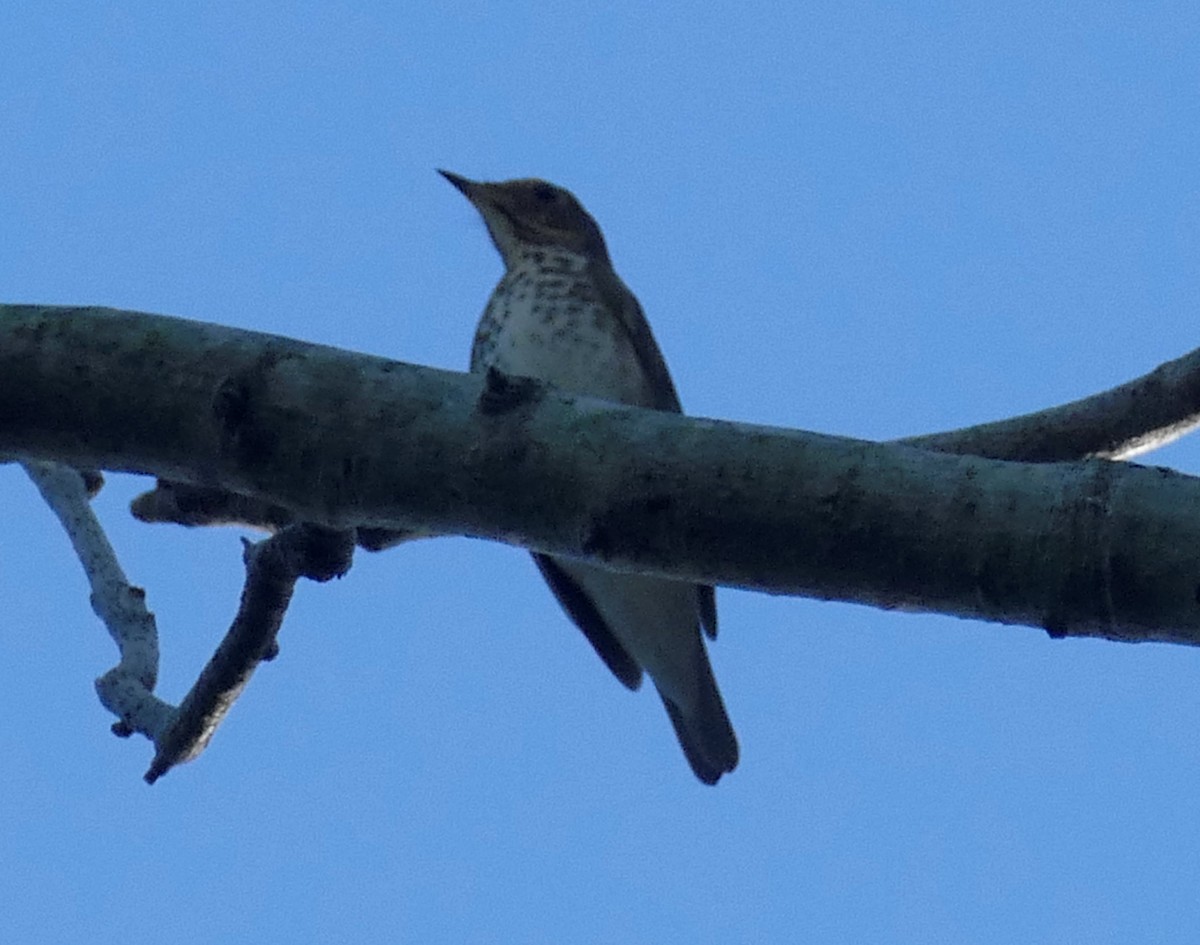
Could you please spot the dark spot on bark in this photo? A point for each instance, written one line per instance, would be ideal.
(238, 406)
(93, 481)
(606, 532)
(657, 504)
(231, 404)
(597, 541)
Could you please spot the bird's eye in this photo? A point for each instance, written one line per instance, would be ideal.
(545, 193)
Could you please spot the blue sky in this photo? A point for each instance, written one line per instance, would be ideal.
(858, 218)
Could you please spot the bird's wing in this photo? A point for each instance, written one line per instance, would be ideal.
(583, 612)
(617, 298)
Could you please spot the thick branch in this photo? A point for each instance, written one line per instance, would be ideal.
(1127, 421)
(348, 440)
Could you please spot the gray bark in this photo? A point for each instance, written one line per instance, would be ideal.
(347, 440)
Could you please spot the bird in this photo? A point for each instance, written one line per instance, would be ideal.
(560, 314)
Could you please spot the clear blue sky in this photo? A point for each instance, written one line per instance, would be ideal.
(857, 218)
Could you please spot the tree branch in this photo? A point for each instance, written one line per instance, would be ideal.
(272, 569)
(349, 440)
(126, 690)
(1134, 418)
(387, 451)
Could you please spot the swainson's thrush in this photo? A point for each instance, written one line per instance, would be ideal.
(562, 315)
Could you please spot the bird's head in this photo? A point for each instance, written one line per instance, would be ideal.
(532, 213)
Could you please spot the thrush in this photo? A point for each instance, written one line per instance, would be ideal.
(562, 315)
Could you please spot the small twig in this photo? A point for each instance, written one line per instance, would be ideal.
(272, 568)
(126, 690)
(181, 503)
(184, 504)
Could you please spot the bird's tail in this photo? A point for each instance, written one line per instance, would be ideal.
(705, 733)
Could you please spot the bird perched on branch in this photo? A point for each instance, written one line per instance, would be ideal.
(562, 315)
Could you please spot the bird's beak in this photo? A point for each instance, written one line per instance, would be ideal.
(486, 198)
(468, 188)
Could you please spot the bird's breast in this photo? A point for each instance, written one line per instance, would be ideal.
(548, 321)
